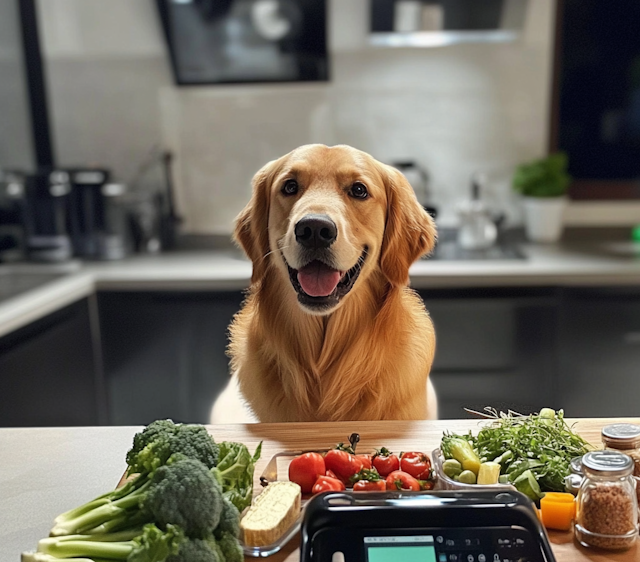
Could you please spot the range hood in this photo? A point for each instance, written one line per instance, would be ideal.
(436, 23)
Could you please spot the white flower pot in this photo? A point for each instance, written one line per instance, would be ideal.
(543, 218)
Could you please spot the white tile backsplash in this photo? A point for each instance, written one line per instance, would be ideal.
(454, 109)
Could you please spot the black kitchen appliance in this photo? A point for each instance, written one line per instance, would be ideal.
(242, 41)
(46, 213)
(12, 203)
(445, 526)
(98, 217)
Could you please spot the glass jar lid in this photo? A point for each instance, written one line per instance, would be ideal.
(607, 463)
(621, 435)
(576, 465)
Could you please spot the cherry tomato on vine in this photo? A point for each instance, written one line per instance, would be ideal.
(342, 463)
(417, 464)
(327, 484)
(385, 462)
(399, 480)
(370, 486)
(305, 469)
(366, 461)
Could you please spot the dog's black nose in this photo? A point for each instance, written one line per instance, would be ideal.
(316, 231)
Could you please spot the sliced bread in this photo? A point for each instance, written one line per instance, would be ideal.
(271, 514)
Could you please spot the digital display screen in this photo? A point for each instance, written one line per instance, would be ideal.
(404, 548)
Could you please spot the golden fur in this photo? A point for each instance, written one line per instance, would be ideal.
(368, 357)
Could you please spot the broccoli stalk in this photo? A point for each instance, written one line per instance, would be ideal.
(183, 493)
(98, 512)
(149, 545)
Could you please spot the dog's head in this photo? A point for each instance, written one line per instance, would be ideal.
(327, 218)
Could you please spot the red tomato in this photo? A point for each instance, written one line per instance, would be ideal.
(305, 469)
(327, 484)
(330, 473)
(370, 486)
(366, 461)
(416, 464)
(385, 462)
(399, 480)
(342, 463)
(426, 484)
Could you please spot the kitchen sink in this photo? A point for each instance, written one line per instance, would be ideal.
(508, 247)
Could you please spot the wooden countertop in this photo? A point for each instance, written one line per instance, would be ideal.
(398, 436)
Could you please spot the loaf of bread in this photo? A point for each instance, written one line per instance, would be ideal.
(271, 514)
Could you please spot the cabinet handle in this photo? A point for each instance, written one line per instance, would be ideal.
(632, 338)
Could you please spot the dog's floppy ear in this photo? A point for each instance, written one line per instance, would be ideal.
(252, 224)
(410, 232)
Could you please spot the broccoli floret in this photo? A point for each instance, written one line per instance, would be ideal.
(151, 545)
(183, 493)
(229, 519)
(154, 445)
(198, 550)
(230, 548)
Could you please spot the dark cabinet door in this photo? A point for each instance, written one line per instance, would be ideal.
(47, 372)
(600, 352)
(494, 347)
(165, 353)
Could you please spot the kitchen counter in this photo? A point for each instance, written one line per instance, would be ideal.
(603, 264)
(47, 471)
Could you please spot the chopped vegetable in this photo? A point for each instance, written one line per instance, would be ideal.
(538, 446)
(457, 447)
(547, 440)
(452, 468)
(528, 485)
(467, 477)
(489, 473)
(558, 509)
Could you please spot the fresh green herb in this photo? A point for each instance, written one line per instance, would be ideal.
(539, 446)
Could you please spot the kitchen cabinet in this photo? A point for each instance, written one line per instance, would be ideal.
(164, 353)
(48, 374)
(599, 346)
(494, 347)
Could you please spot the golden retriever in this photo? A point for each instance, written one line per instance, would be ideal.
(330, 329)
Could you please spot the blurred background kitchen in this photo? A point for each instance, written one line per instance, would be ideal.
(130, 130)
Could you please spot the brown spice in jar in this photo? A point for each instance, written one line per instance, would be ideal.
(608, 511)
(635, 455)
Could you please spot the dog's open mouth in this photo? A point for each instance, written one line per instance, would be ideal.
(320, 286)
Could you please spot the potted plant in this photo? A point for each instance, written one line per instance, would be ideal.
(543, 184)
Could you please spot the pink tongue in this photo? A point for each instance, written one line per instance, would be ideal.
(318, 279)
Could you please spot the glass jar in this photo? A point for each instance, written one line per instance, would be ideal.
(625, 437)
(574, 479)
(607, 512)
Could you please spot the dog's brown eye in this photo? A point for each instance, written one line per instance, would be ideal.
(359, 191)
(290, 187)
